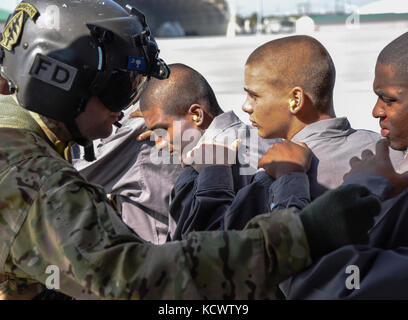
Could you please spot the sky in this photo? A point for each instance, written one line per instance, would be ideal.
(246, 7)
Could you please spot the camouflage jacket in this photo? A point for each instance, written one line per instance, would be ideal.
(51, 216)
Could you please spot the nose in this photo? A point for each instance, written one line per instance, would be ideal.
(247, 107)
(378, 110)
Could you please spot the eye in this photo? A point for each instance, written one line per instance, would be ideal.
(387, 100)
(252, 96)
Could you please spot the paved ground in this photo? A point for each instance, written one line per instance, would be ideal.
(354, 52)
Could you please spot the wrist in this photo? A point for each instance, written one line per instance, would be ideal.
(288, 168)
(201, 167)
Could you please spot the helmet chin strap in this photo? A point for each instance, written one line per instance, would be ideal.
(117, 123)
(77, 135)
(79, 138)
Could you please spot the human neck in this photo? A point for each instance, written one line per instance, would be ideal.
(300, 123)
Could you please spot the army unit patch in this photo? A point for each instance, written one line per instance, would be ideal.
(12, 31)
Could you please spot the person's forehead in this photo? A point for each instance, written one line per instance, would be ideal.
(256, 74)
(386, 77)
(263, 79)
(154, 115)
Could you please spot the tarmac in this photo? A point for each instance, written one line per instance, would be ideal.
(221, 61)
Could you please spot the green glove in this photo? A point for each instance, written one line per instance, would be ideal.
(339, 217)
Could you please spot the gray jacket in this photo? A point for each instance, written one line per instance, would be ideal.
(387, 253)
(140, 188)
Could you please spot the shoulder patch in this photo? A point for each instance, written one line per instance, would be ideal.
(12, 31)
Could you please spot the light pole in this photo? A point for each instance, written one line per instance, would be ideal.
(233, 19)
(259, 26)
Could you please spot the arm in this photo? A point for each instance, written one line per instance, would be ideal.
(204, 191)
(287, 162)
(71, 225)
(290, 191)
(213, 196)
(250, 201)
(200, 200)
(382, 264)
(181, 201)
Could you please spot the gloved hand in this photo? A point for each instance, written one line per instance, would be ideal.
(339, 217)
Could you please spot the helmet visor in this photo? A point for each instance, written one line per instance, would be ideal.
(122, 90)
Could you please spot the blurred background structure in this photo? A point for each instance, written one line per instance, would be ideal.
(216, 37)
(170, 18)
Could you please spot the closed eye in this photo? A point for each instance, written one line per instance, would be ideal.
(252, 94)
(387, 100)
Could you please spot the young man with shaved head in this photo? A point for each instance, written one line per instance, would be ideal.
(379, 268)
(139, 188)
(289, 84)
(184, 113)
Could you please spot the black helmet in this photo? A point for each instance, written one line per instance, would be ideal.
(56, 54)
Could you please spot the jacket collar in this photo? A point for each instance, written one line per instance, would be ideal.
(221, 123)
(323, 129)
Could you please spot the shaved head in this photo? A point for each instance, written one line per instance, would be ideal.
(395, 55)
(175, 95)
(299, 61)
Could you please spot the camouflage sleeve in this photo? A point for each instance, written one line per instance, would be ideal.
(71, 225)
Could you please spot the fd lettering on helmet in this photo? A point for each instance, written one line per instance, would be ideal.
(53, 72)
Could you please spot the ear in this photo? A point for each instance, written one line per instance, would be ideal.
(296, 100)
(197, 115)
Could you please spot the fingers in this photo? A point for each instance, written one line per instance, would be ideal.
(354, 161)
(262, 162)
(136, 114)
(382, 149)
(145, 135)
(301, 144)
(161, 145)
(366, 154)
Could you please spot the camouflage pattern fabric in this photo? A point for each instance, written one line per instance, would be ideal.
(49, 215)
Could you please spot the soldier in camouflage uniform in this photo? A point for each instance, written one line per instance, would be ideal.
(62, 80)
